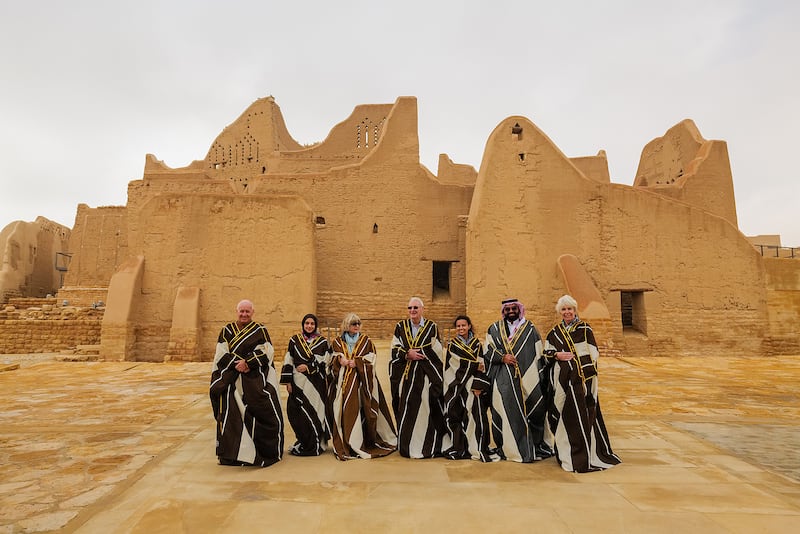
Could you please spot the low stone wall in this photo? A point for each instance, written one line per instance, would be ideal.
(48, 328)
(23, 303)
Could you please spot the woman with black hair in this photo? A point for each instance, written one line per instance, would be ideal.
(466, 396)
(304, 375)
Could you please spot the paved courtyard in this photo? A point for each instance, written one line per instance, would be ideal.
(709, 445)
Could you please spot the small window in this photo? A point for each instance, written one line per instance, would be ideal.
(633, 311)
(441, 279)
(319, 220)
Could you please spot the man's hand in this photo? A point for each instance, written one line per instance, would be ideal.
(289, 389)
(242, 366)
(481, 366)
(563, 356)
(415, 354)
(509, 359)
(302, 368)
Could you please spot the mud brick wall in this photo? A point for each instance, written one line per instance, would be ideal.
(37, 331)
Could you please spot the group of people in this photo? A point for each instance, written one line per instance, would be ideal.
(542, 394)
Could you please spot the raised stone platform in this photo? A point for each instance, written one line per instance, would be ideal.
(709, 445)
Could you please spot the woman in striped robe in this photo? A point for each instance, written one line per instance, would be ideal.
(361, 424)
(581, 439)
(304, 375)
(466, 398)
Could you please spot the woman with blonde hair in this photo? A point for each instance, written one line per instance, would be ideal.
(361, 424)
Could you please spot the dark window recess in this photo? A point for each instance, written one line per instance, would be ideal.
(441, 278)
(626, 303)
(633, 311)
(320, 220)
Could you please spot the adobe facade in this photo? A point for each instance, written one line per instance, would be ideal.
(32, 258)
(356, 223)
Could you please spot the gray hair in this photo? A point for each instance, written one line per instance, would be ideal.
(421, 304)
(566, 300)
(243, 302)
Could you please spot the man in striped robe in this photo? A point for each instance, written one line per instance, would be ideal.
(244, 394)
(415, 374)
(516, 369)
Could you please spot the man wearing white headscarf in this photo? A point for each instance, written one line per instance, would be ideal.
(515, 367)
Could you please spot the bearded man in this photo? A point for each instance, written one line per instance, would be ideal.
(515, 367)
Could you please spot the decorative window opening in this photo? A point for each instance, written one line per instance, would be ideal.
(522, 156)
(368, 130)
(319, 221)
(516, 132)
(375, 228)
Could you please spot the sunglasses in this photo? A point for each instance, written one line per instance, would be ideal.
(413, 307)
(510, 308)
(356, 323)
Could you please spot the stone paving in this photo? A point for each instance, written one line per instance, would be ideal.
(708, 444)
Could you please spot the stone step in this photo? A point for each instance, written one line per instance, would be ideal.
(88, 349)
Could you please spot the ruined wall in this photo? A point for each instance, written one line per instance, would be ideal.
(783, 302)
(683, 165)
(28, 258)
(593, 167)
(687, 267)
(98, 244)
(369, 226)
(252, 140)
(386, 221)
(380, 222)
(230, 247)
(450, 173)
(47, 327)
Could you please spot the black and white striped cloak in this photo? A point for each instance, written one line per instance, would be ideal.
(469, 433)
(246, 406)
(417, 390)
(581, 438)
(519, 404)
(305, 405)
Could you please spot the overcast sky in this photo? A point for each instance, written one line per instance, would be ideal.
(88, 87)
